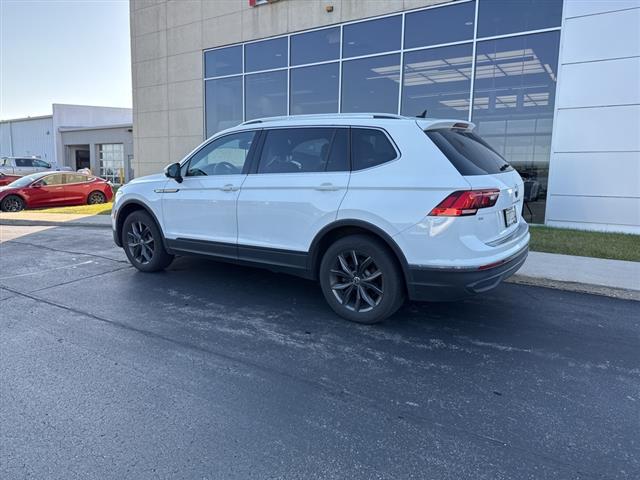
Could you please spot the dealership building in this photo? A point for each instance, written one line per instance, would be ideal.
(552, 85)
(75, 136)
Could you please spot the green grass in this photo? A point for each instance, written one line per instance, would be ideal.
(99, 209)
(616, 246)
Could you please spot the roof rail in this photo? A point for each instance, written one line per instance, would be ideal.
(324, 116)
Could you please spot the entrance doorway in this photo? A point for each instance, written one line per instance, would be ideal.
(82, 159)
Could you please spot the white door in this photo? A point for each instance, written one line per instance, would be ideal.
(301, 179)
(202, 208)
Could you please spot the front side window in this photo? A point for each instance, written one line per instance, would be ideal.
(52, 180)
(370, 148)
(304, 150)
(223, 156)
(41, 164)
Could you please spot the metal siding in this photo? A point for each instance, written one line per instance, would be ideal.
(28, 137)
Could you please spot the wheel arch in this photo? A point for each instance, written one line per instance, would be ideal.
(343, 228)
(127, 209)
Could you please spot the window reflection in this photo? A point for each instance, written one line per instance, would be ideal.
(314, 89)
(317, 46)
(266, 54)
(372, 36)
(438, 80)
(439, 25)
(266, 94)
(371, 84)
(498, 17)
(223, 98)
(513, 102)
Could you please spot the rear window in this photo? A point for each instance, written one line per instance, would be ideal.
(467, 152)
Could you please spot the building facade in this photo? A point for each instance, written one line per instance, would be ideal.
(553, 85)
(76, 136)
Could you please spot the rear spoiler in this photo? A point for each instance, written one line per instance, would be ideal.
(434, 125)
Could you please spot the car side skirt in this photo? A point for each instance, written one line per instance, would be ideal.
(286, 261)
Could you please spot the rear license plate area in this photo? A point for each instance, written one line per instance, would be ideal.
(510, 215)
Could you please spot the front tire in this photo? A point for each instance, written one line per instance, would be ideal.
(361, 279)
(12, 203)
(143, 243)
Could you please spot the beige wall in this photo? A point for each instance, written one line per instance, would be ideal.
(167, 39)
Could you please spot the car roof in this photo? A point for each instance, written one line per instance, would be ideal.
(348, 119)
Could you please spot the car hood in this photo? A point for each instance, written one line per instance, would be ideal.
(157, 177)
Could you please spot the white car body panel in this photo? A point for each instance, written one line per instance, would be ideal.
(286, 211)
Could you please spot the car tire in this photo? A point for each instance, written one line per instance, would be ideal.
(143, 243)
(96, 197)
(361, 279)
(12, 203)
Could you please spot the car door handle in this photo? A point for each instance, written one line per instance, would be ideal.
(229, 187)
(327, 187)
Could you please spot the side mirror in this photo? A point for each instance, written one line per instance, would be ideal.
(173, 171)
(36, 184)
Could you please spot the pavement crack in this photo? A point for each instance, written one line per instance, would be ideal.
(72, 252)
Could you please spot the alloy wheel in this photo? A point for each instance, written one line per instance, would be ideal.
(95, 198)
(12, 204)
(140, 242)
(356, 281)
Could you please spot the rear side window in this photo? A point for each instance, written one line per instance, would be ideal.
(467, 152)
(304, 150)
(74, 178)
(369, 148)
(24, 162)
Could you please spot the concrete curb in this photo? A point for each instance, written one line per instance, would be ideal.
(47, 223)
(619, 293)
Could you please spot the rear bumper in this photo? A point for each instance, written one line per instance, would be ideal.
(436, 284)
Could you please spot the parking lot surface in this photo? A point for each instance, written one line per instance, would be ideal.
(212, 370)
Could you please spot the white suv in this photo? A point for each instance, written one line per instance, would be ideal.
(376, 207)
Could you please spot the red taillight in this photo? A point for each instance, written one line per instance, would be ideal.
(465, 202)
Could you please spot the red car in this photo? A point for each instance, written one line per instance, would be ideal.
(54, 189)
(7, 179)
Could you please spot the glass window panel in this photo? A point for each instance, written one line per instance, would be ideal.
(498, 17)
(439, 25)
(438, 80)
(371, 84)
(223, 156)
(370, 148)
(223, 100)
(513, 102)
(296, 150)
(373, 36)
(266, 55)
(266, 94)
(224, 61)
(317, 46)
(315, 89)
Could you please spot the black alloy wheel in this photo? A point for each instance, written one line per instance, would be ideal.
(361, 279)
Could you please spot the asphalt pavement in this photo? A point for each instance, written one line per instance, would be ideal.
(212, 371)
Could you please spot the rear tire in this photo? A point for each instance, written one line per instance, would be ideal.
(361, 279)
(96, 197)
(12, 203)
(143, 243)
